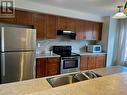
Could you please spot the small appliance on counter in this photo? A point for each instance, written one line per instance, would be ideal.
(94, 48)
(70, 62)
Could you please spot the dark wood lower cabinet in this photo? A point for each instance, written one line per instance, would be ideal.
(83, 63)
(47, 66)
(91, 62)
(100, 61)
(88, 62)
(40, 67)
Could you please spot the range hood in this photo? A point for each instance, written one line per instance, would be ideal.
(70, 34)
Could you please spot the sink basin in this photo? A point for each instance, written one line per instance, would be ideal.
(91, 74)
(62, 80)
(80, 77)
(71, 78)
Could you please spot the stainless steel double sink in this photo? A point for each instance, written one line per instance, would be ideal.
(71, 78)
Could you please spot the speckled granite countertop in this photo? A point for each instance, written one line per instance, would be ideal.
(115, 84)
(46, 55)
(24, 87)
(110, 70)
(106, 85)
(88, 53)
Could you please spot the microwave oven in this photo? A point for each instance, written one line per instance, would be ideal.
(94, 48)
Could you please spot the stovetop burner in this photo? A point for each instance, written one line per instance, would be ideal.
(64, 51)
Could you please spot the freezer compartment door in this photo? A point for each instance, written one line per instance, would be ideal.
(17, 39)
(17, 66)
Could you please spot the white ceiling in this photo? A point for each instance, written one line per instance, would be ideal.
(97, 7)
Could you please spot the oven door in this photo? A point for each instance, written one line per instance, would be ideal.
(69, 65)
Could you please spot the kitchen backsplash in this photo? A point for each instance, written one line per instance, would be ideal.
(44, 46)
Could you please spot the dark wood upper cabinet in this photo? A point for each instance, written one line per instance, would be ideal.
(64, 23)
(88, 30)
(24, 17)
(39, 21)
(84, 30)
(51, 22)
(47, 25)
(97, 34)
(79, 29)
(93, 30)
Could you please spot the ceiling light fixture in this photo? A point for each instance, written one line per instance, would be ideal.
(120, 14)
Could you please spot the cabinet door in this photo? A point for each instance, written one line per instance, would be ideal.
(64, 23)
(24, 17)
(52, 66)
(100, 61)
(40, 25)
(51, 31)
(83, 62)
(97, 33)
(88, 30)
(40, 67)
(91, 61)
(79, 30)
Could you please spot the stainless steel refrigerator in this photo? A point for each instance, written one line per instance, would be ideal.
(17, 54)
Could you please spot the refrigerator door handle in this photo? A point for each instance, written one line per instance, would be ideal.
(21, 67)
(3, 64)
(2, 39)
(34, 70)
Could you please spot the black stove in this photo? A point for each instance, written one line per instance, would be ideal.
(70, 62)
(64, 51)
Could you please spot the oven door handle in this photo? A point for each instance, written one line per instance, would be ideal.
(70, 59)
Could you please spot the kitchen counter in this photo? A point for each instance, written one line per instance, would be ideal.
(46, 55)
(110, 70)
(107, 85)
(24, 87)
(88, 53)
(115, 84)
